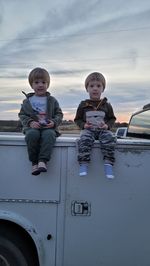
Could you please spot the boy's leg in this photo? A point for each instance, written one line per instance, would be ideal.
(47, 141)
(108, 143)
(32, 137)
(85, 145)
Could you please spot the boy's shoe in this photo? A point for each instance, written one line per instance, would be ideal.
(35, 170)
(83, 169)
(108, 171)
(42, 167)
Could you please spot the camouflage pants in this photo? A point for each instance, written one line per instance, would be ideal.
(107, 144)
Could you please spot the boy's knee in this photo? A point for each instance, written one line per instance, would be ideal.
(32, 134)
(49, 134)
(108, 137)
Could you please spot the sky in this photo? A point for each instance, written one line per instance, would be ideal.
(72, 38)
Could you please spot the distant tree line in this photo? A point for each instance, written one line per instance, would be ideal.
(15, 125)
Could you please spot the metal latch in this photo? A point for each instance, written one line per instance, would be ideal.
(80, 208)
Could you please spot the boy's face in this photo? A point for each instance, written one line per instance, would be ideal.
(95, 89)
(40, 87)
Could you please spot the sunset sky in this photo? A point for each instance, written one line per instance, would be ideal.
(72, 38)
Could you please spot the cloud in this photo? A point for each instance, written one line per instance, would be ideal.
(67, 72)
(128, 98)
(50, 35)
(71, 39)
(1, 13)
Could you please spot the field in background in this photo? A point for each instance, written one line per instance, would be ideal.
(67, 127)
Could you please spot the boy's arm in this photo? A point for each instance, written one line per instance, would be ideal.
(58, 114)
(110, 117)
(24, 118)
(79, 120)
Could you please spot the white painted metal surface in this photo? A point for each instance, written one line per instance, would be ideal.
(113, 229)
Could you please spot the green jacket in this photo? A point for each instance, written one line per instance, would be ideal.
(53, 112)
(89, 105)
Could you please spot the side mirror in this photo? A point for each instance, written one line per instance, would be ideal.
(139, 124)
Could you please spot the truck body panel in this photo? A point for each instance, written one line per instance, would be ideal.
(80, 220)
(116, 231)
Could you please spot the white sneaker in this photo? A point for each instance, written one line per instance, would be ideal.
(42, 167)
(35, 170)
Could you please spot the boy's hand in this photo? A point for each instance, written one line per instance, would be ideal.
(88, 125)
(50, 124)
(35, 124)
(103, 125)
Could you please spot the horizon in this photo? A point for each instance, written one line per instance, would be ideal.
(72, 39)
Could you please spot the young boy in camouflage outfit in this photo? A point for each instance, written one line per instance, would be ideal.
(95, 117)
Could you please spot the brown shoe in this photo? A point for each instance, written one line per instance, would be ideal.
(35, 170)
(42, 167)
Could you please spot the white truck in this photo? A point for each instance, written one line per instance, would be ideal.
(121, 132)
(61, 219)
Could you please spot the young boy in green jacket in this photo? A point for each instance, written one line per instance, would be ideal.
(40, 116)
